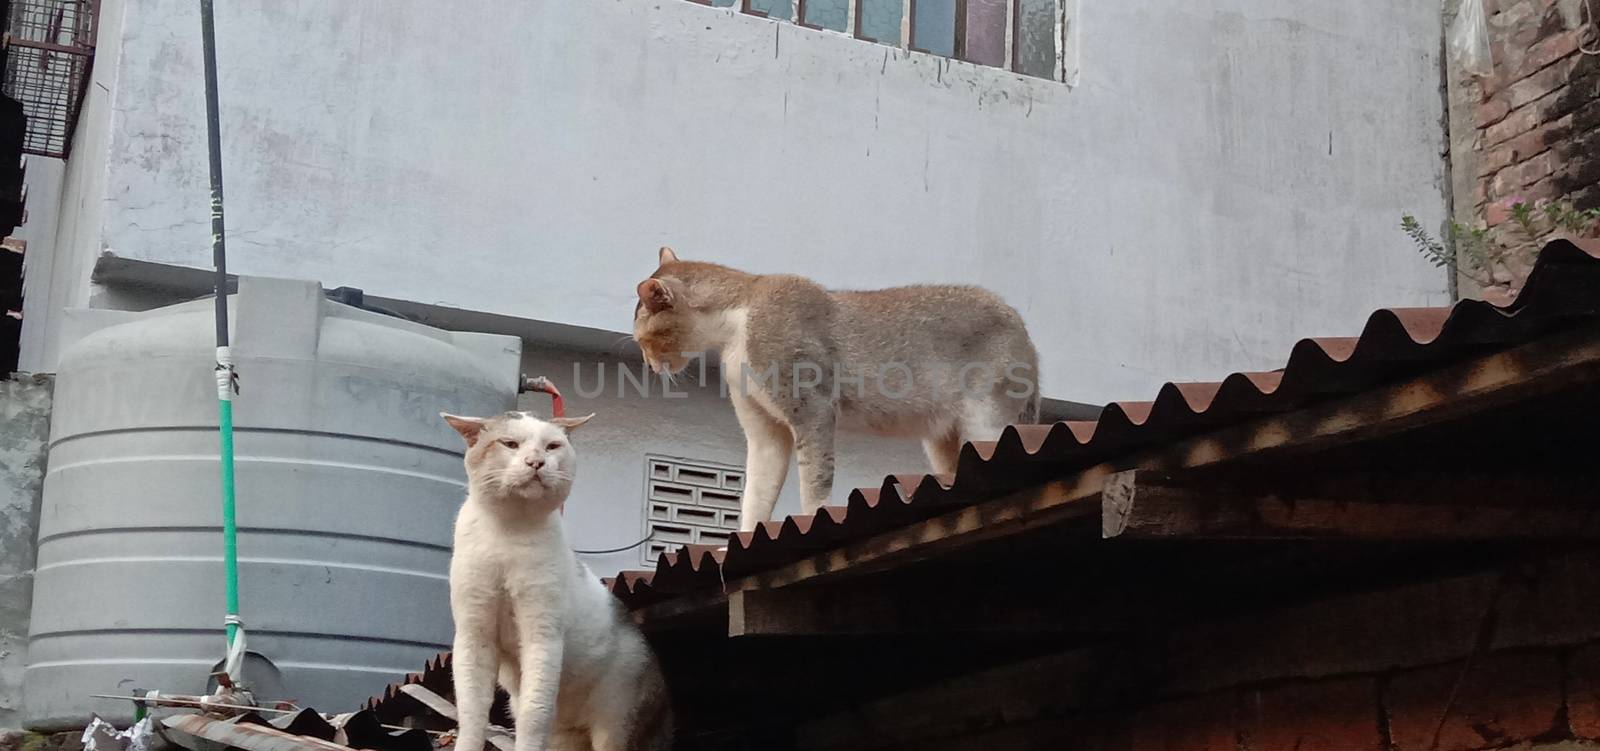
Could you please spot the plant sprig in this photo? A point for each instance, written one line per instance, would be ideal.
(1475, 252)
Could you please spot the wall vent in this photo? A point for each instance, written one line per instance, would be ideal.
(687, 501)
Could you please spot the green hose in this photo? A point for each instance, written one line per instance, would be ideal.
(230, 529)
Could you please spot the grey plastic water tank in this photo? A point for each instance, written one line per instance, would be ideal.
(347, 479)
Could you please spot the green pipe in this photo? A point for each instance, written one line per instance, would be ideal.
(230, 529)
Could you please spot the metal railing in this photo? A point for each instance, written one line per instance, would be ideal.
(49, 56)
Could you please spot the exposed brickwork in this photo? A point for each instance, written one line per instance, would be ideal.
(1208, 723)
(1378, 670)
(1538, 84)
(1519, 121)
(1550, 51)
(1499, 700)
(1525, 133)
(1491, 112)
(1405, 627)
(1583, 692)
(1333, 715)
(1506, 658)
(1538, 116)
(1525, 147)
(1579, 178)
(1522, 699)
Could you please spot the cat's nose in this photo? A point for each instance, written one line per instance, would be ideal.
(535, 462)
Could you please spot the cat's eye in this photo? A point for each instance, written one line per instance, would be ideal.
(553, 446)
(509, 444)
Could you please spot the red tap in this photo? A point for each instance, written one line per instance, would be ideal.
(558, 408)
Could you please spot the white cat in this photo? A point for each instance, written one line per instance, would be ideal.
(579, 673)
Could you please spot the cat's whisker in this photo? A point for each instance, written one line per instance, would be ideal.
(620, 346)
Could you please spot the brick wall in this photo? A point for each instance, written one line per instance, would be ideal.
(1490, 661)
(1538, 121)
(1506, 658)
(1498, 700)
(1530, 132)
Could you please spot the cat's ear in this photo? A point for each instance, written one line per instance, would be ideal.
(468, 427)
(570, 424)
(655, 295)
(668, 256)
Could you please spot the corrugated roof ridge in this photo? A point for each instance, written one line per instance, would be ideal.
(1319, 367)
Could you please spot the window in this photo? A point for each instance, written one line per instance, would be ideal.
(1032, 37)
(689, 502)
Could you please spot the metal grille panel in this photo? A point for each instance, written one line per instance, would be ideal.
(50, 52)
(689, 502)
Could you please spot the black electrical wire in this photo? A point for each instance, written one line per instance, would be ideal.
(616, 550)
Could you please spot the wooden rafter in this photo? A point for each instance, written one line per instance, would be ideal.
(1428, 506)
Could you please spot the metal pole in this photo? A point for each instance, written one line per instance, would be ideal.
(224, 364)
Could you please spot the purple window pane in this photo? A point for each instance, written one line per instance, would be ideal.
(986, 32)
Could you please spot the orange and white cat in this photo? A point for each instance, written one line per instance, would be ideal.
(944, 364)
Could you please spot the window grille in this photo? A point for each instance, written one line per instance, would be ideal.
(49, 54)
(689, 502)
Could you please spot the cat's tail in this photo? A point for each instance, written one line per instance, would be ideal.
(1033, 412)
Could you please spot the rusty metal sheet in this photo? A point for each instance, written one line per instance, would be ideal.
(305, 722)
(393, 705)
(431, 700)
(299, 731)
(363, 730)
(201, 733)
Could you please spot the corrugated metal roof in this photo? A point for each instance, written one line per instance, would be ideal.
(1562, 290)
(304, 730)
(393, 705)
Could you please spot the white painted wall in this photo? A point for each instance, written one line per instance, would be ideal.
(44, 178)
(1226, 178)
(72, 199)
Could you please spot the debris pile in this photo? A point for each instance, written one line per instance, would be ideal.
(229, 719)
(103, 736)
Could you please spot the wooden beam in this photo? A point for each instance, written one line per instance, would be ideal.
(1437, 507)
(870, 607)
(689, 611)
(764, 612)
(1539, 368)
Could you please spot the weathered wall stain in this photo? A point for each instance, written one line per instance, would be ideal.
(24, 438)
